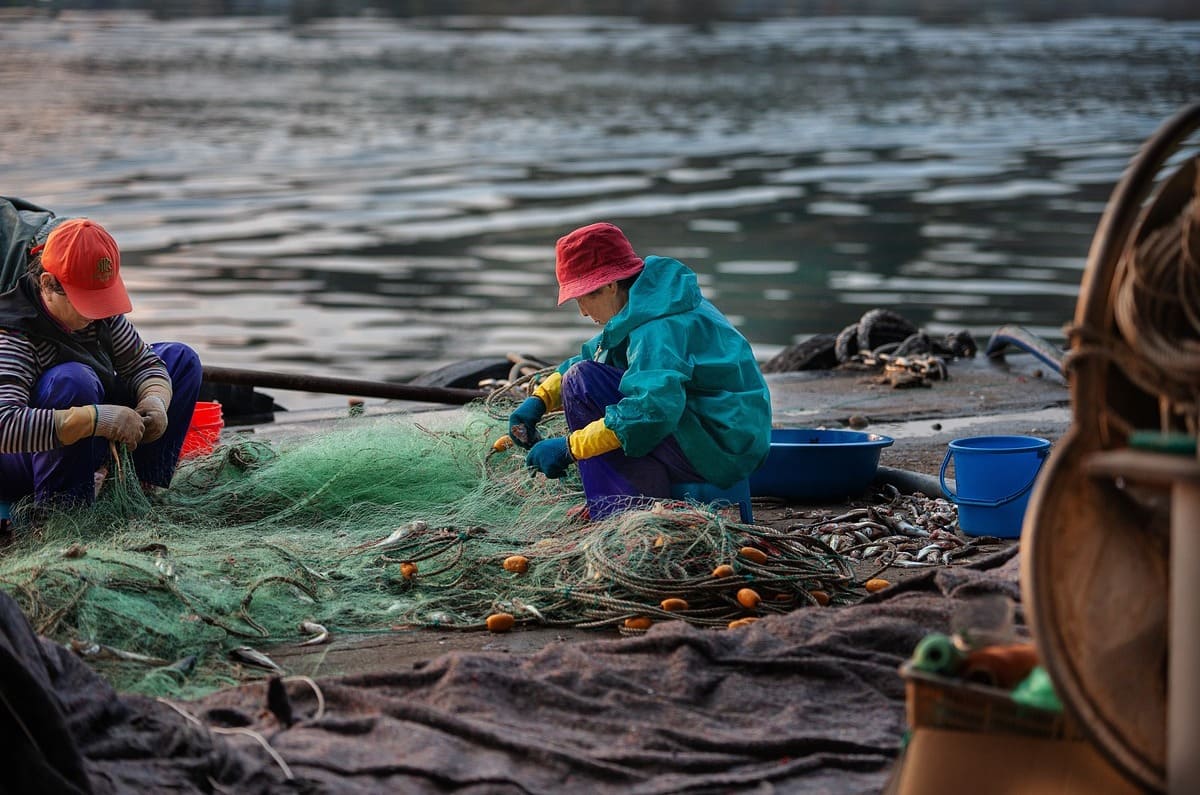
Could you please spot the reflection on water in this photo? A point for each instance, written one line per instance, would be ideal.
(375, 197)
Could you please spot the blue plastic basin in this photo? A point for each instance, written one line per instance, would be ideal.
(818, 465)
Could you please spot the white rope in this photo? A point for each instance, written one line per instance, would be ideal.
(287, 771)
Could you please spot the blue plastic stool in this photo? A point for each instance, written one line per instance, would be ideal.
(738, 494)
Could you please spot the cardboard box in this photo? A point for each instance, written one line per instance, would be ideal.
(974, 739)
(950, 762)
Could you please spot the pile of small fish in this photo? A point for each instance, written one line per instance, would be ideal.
(907, 530)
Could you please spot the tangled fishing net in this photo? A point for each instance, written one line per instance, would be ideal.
(373, 525)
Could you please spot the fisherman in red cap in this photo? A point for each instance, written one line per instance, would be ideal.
(668, 391)
(75, 375)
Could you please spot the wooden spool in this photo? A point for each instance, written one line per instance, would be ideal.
(1095, 557)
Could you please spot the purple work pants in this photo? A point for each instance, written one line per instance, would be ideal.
(66, 474)
(614, 482)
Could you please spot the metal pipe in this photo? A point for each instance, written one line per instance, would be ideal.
(908, 481)
(339, 386)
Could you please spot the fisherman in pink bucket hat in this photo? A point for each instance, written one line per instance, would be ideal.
(668, 392)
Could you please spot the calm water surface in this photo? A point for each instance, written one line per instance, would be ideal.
(372, 198)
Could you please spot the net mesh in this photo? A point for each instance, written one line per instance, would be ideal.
(372, 525)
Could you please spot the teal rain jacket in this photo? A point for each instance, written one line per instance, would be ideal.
(688, 372)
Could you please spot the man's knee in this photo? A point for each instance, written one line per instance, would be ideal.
(68, 384)
(178, 357)
(182, 363)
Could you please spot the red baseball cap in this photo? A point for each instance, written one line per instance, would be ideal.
(87, 263)
(591, 257)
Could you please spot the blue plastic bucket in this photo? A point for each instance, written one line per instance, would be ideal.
(993, 478)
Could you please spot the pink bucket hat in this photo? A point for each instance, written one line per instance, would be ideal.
(591, 257)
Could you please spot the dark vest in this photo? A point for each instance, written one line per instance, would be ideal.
(21, 310)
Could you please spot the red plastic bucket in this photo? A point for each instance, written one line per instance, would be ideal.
(204, 430)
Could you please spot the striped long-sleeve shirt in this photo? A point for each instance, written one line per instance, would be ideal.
(23, 359)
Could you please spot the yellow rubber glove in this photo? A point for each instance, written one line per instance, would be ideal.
(550, 391)
(592, 440)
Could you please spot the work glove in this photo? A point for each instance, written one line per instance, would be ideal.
(153, 411)
(552, 457)
(119, 424)
(522, 423)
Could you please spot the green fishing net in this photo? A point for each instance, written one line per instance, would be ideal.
(371, 525)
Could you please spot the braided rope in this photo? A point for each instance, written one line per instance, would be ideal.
(1155, 300)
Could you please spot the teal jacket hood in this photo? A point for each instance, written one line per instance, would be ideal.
(687, 372)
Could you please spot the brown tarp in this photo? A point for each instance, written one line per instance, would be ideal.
(809, 702)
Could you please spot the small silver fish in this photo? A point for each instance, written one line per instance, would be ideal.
(165, 566)
(911, 530)
(872, 528)
(519, 605)
(88, 648)
(912, 564)
(930, 551)
(249, 656)
(857, 513)
(396, 535)
(318, 631)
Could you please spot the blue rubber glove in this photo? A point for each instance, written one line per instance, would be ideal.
(522, 423)
(552, 457)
